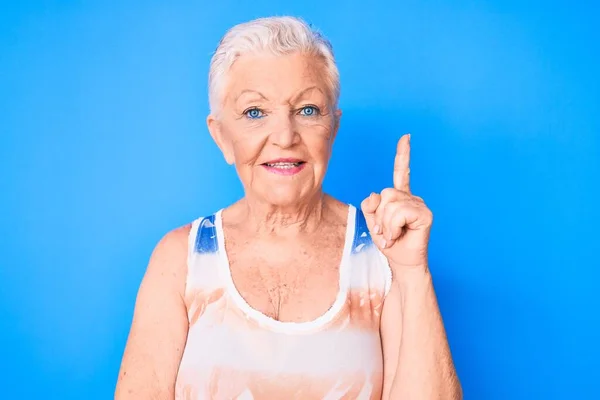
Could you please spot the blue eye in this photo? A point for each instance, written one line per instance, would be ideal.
(254, 113)
(309, 111)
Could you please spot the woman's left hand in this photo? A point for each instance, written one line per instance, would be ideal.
(399, 222)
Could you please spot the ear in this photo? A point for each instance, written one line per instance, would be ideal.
(216, 131)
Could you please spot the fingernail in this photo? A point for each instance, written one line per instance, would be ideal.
(383, 243)
(376, 229)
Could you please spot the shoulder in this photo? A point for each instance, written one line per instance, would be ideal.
(168, 261)
(174, 243)
(174, 248)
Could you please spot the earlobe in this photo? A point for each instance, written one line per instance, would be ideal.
(216, 131)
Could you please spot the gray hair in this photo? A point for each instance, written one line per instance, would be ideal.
(278, 36)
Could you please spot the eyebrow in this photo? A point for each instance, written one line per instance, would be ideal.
(308, 89)
(249, 91)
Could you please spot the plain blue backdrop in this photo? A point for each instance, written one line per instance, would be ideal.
(103, 149)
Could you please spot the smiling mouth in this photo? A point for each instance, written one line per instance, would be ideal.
(284, 165)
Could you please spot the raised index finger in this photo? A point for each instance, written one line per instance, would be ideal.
(402, 164)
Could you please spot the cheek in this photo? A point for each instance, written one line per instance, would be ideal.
(244, 152)
(246, 148)
(321, 151)
(319, 142)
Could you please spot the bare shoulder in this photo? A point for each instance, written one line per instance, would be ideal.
(174, 242)
(169, 258)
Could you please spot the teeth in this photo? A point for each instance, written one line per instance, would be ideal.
(283, 165)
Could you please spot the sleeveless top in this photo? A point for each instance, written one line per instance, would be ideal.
(236, 352)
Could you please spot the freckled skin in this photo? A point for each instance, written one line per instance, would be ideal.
(308, 348)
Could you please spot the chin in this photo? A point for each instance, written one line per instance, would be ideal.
(286, 197)
(283, 201)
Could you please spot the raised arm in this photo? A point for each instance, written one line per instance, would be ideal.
(159, 329)
(417, 360)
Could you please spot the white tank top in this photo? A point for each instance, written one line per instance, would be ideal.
(236, 352)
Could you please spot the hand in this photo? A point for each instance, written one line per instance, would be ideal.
(399, 222)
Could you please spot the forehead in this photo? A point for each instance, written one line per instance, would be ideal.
(277, 75)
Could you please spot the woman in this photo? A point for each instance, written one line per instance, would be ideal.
(289, 293)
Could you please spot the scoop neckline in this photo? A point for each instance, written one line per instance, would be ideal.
(289, 326)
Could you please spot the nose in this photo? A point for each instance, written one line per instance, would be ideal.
(283, 132)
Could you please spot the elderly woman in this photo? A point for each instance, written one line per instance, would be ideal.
(289, 293)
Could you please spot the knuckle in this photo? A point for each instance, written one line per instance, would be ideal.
(388, 194)
(428, 215)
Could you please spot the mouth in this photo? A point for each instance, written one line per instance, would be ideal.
(285, 166)
(284, 163)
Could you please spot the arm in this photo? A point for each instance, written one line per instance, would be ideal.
(417, 359)
(160, 325)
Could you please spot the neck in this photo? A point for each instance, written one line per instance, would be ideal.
(283, 220)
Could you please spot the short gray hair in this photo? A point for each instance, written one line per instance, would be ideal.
(278, 36)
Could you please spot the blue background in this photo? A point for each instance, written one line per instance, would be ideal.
(103, 149)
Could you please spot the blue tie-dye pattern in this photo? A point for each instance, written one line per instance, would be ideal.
(206, 239)
(362, 237)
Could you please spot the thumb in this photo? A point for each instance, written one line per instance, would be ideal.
(369, 207)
